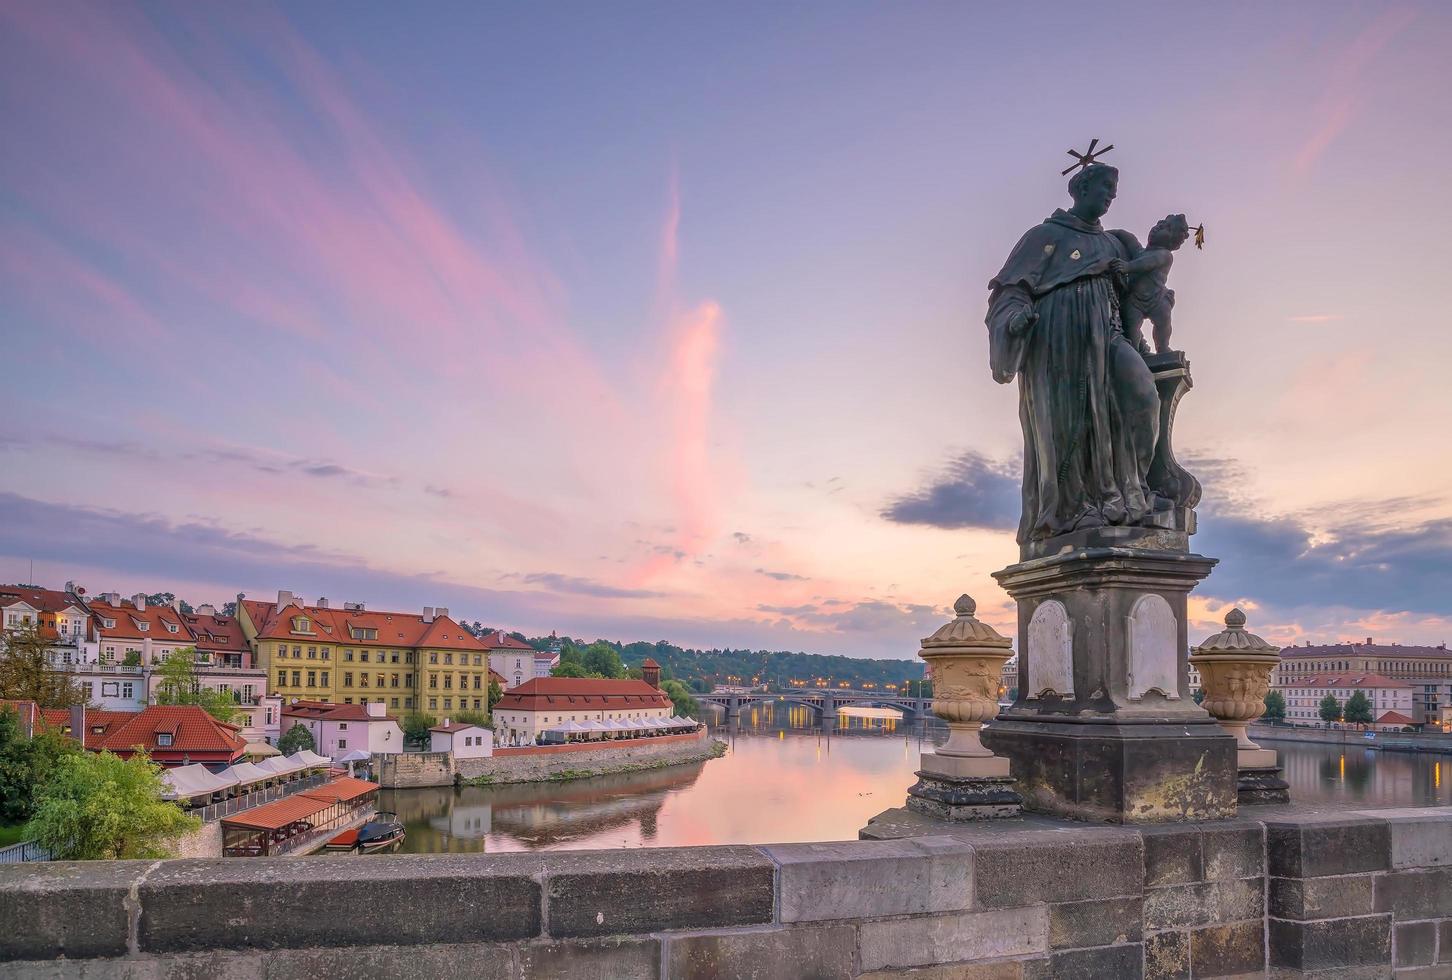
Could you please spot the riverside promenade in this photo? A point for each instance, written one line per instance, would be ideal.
(1281, 891)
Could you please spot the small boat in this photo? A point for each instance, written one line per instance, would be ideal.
(382, 831)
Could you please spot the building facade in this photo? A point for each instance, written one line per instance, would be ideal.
(541, 703)
(338, 729)
(1426, 669)
(1304, 694)
(464, 741)
(511, 658)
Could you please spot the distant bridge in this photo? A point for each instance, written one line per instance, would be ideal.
(824, 702)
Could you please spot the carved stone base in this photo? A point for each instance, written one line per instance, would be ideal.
(1143, 773)
(1263, 784)
(973, 798)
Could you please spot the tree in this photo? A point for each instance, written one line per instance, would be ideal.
(97, 806)
(685, 704)
(295, 739)
(603, 660)
(495, 693)
(229, 608)
(471, 717)
(1330, 708)
(416, 727)
(26, 674)
(1358, 709)
(1275, 706)
(132, 659)
(25, 765)
(178, 684)
(569, 668)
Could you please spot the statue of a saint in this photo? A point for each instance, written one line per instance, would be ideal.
(1087, 400)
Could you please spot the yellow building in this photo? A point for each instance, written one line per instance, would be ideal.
(353, 655)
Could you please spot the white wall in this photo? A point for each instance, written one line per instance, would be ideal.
(467, 743)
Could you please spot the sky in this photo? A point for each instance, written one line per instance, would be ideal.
(665, 321)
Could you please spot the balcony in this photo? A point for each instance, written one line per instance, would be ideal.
(99, 669)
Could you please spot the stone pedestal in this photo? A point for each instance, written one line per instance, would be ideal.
(1104, 727)
(964, 780)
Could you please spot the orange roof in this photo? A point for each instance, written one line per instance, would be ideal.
(454, 726)
(500, 640)
(43, 600)
(540, 693)
(280, 813)
(328, 711)
(344, 788)
(217, 632)
(159, 622)
(336, 626)
(191, 728)
(650, 662)
(96, 718)
(1394, 718)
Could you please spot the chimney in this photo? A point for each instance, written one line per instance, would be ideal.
(442, 612)
(376, 710)
(206, 609)
(78, 723)
(71, 588)
(1368, 641)
(446, 722)
(175, 604)
(284, 599)
(139, 600)
(322, 602)
(428, 614)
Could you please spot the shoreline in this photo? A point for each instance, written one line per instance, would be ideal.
(714, 749)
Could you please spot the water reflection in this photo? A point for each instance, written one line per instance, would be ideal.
(787, 777)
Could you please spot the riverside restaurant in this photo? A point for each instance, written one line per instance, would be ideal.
(299, 822)
(244, 785)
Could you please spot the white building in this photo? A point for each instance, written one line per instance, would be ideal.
(338, 729)
(1304, 694)
(465, 741)
(541, 703)
(510, 658)
(62, 618)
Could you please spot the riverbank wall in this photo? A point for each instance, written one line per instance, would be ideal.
(1281, 892)
(543, 763)
(1383, 742)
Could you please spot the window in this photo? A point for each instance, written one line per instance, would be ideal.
(393, 702)
(433, 703)
(342, 743)
(363, 655)
(297, 678)
(393, 657)
(448, 703)
(433, 680)
(348, 655)
(324, 652)
(128, 691)
(300, 624)
(433, 657)
(347, 678)
(393, 680)
(282, 678)
(478, 660)
(163, 739)
(408, 702)
(312, 678)
(347, 700)
(362, 680)
(342, 726)
(325, 680)
(297, 653)
(312, 653)
(408, 679)
(477, 681)
(478, 704)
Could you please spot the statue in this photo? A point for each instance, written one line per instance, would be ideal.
(1059, 320)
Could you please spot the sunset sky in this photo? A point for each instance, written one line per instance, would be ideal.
(664, 321)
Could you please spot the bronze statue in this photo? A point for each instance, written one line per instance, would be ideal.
(1146, 295)
(1088, 402)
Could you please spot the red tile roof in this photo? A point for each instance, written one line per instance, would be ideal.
(453, 726)
(1346, 678)
(278, 814)
(541, 693)
(336, 626)
(343, 788)
(216, 632)
(1365, 650)
(1394, 718)
(331, 712)
(59, 719)
(650, 662)
(500, 640)
(194, 732)
(128, 619)
(44, 600)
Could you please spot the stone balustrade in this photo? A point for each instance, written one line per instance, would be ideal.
(1283, 892)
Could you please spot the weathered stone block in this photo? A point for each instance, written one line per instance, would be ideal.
(791, 953)
(1331, 943)
(999, 970)
(272, 904)
(862, 879)
(1203, 903)
(1173, 854)
(615, 958)
(1167, 956)
(65, 908)
(1313, 847)
(1322, 898)
(462, 961)
(1444, 941)
(606, 893)
(1233, 852)
(1229, 950)
(1121, 962)
(189, 966)
(1415, 943)
(1421, 837)
(1102, 922)
(1423, 894)
(1020, 868)
(957, 936)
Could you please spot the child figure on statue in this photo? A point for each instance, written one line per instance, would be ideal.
(1146, 294)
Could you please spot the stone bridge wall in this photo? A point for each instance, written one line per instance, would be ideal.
(537, 763)
(1384, 741)
(1290, 894)
(409, 770)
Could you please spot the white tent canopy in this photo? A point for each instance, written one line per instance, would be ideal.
(247, 772)
(308, 759)
(260, 749)
(357, 755)
(184, 782)
(570, 728)
(278, 766)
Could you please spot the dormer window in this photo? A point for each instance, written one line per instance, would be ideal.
(171, 627)
(110, 624)
(143, 627)
(163, 740)
(301, 624)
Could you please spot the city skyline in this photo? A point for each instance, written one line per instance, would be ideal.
(666, 323)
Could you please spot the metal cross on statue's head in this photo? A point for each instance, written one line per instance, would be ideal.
(1085, 158)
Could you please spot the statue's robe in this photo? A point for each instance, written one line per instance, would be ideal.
(1087, 401)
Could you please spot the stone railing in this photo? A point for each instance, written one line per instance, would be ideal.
(1285, 893)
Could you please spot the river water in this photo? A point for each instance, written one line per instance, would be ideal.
(784, 779)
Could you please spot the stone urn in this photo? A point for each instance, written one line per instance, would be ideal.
(1235, 669)
(963, 779)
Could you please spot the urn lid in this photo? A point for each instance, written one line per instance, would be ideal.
(966, 630)
(1235, 638)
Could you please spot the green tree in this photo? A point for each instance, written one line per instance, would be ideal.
(295, 739)
(416, 727)
(178, 684)
(495, 693)
(132, 659)
(1330, 708)
(166, 599)
(603, 660)
(26, 674)
(685, 704)
(25, 765)
(1358, 709)
(471, 717)
(569, 668)
(98, 806)
(1275, 706)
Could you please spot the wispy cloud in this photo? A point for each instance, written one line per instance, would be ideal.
(574, 585)
(782, 576)
(1315, 317)
(973, 492)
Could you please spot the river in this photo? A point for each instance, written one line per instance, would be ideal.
(784, 779)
